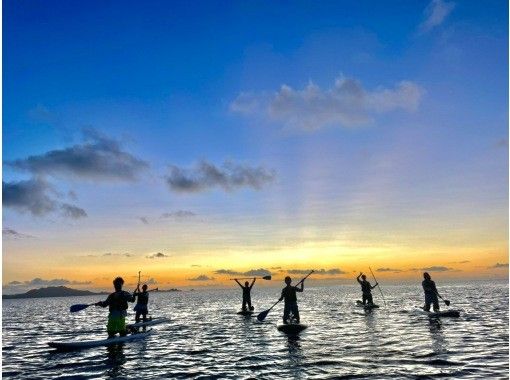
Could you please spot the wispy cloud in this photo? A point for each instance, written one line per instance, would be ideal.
(10, 233)
(261, 272)
(178, 215)
(346, 104)
(97, 158)
(143, 219)
(319, 272)
(499, 266)
(157, 255)
(37, 197)
(41, 282)
(202, 277)
(434, 269)
(388, 270)
(435, 13)
(230, 176)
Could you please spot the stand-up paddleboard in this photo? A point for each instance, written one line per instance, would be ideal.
(246, 313)
(152, 322)
(444, 313)
(367, 306)
(292, 328)
(78, 345)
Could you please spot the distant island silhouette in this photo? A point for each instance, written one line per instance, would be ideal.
(52, 291)
(63, 291)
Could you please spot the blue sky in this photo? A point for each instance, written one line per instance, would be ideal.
(334, 124)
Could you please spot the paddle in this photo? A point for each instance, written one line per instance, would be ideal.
(446, 302)
(249, 278)
(79, 307)
(264, 314)
(377, 282)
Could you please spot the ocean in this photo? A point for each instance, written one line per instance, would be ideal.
(205, 338)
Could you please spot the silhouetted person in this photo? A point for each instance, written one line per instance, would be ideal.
(247, 294)
(431, 294)
(289, 295)
(141, 303)
(366, 288)
(118, 304)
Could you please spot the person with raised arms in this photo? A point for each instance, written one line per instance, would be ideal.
(246, 294)
(366, 289)
(142, 302)
(118, 304)
(290, 305)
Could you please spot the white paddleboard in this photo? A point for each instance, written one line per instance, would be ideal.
(152, 322)
(77, 345)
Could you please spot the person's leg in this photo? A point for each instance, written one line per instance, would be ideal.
(248, 301)
(286, 312)
(370, 300)
(295, 311)
(137, 316)
(427, 304)
(436, 305)
(144, 316)
(364, 298)
(244, 304)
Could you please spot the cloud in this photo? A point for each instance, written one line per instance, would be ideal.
(158, 255)
(230, 176)
(143, 219)
(179, 214)
(499, 266)
(435, 13)
(319, 272)
(388, 270)
(434, 269)
(72, 212)
(261, 272)
(97, 158)
(196, 265)
(37, 197)
(460, 262)
(202, 277)
(346, 104)
(41, 282)
(10, 233)
(109, 254)
(150, 281)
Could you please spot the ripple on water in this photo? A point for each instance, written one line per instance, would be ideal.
(207, 339)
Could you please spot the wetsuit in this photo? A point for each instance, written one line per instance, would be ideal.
(429, 287)
(141, 306)
(291, 307)
(118, 304)
(366, 288)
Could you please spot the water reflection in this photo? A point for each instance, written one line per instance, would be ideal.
(295, 356)
(439, 345)
(115, 359)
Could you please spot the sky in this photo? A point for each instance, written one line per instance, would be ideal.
(198, 141)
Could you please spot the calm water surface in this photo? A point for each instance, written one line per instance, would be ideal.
(206, 339)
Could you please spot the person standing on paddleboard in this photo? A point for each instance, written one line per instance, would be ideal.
(366, 288)
(431, 293)
(118, 304)
(289, 295)
(247, 294)
(141, 303)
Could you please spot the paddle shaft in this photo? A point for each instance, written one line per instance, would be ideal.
(377, 282)
(248, 278)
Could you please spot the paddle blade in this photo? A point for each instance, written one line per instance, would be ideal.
(262, 315)
(75, 308)
(446, 302)
(267, 277)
